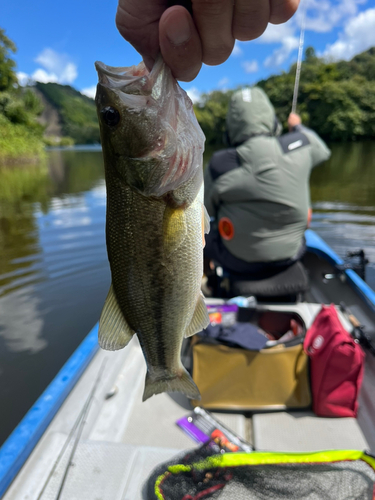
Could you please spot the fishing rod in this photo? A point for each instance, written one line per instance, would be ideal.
(299, 59)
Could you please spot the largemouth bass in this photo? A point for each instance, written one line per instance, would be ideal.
(153, 150)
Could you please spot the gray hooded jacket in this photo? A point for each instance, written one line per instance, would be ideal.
(262, 185)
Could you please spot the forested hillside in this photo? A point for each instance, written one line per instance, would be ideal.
(336, 99)
(77, 112)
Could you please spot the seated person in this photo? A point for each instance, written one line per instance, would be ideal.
(258, 189)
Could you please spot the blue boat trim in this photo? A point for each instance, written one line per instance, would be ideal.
(317, 245)
(25, 436)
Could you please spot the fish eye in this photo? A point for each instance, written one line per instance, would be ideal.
(110, 115)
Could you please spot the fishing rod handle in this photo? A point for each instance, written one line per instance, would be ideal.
(354, 321)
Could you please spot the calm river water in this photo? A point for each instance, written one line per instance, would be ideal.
(54, 273)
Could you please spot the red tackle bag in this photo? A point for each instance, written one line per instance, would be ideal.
(336, 366)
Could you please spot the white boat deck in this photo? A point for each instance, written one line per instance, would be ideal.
(123, 439)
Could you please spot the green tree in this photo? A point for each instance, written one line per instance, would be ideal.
(20, 133)
(334, 110)
(21, 106)
(211, 113)
(8, 77)
(310, 54)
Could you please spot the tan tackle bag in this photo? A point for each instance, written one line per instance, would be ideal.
(273, 378)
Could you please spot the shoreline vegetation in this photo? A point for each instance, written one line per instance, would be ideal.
(19, 145)
(20, 133)
(336, 99)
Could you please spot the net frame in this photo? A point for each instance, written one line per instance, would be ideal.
(230, 460)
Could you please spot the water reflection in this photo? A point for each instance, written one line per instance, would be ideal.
(343, 196)
(21, 311)
(72, 233)
(41, 208)
(53, 272)
(348, 177)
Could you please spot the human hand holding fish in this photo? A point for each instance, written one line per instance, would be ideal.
(191, 32)
(153, 153)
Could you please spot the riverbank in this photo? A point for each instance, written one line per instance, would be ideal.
(19, 145)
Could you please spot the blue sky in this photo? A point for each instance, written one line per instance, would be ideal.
(61, 41)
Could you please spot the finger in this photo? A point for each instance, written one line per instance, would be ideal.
(180, 44)
(213, 19)
(250, 18)
(138, 22)
(282, 10)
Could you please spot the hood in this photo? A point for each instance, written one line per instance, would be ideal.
(250, 113)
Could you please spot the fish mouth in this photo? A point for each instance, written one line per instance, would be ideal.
(128, 79)
(116, 78)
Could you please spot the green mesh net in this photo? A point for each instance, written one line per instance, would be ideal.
(334, 475)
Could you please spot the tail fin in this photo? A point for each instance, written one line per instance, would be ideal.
(181, 382)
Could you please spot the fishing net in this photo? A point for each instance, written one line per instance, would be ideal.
(330, 475)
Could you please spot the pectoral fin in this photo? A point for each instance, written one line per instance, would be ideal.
(200, 318)
(205, 224)
(174, 229)
(206, 220)
(114, 332)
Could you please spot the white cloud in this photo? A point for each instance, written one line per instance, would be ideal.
(250, 66)
(89, 91)
(358, 35)
(58, 64)
(41, 75)
(237, 51)
(223, 82)
(69, 73)
(324, 15)
(277, 32)
(280, 55)
(56, 67)
(23, 78)
(321, 16)
(280, 33)
(194, 94)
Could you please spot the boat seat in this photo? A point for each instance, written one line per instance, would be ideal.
(291, 281)
(305, 432)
